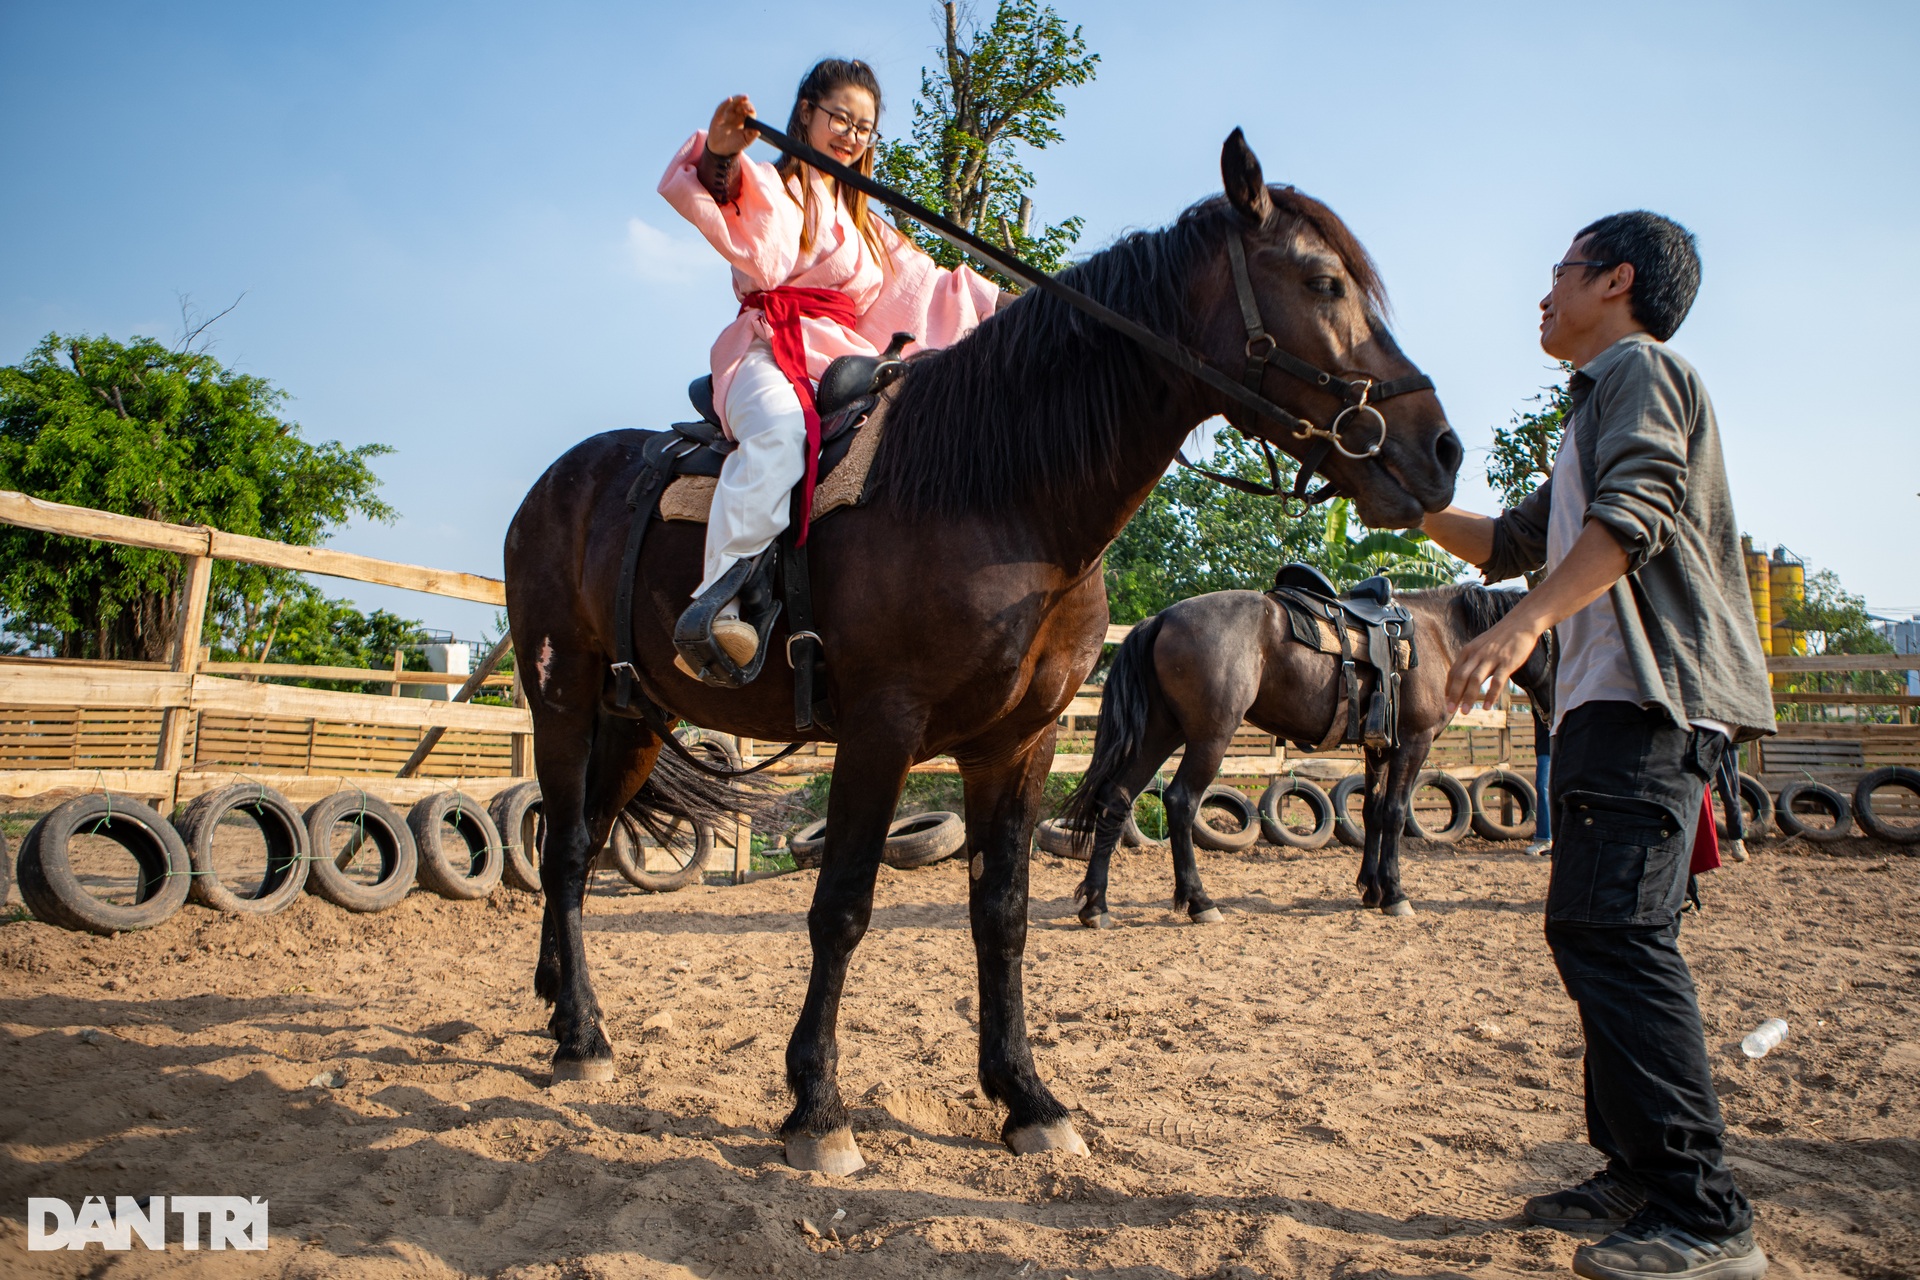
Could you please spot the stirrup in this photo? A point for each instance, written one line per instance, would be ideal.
(693, 634)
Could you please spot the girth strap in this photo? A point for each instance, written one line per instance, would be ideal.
(641, 498)
(805, 653)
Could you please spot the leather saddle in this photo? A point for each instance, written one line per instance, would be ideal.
(1325, 618)
(849, 391)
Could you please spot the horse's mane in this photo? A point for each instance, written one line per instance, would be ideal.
(1023, 412)
(1480, 607)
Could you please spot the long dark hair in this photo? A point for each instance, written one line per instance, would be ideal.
(827, 75)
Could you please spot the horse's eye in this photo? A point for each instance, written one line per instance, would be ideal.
(1325, 286)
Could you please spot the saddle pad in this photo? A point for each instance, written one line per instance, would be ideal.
(1320, 637)
(691, 497)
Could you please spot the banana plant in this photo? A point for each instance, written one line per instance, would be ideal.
(1409, 559)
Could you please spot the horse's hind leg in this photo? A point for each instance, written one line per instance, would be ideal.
(1182, 798)
(1091, 893)
(867, 777)
(587, 768)
(1003, 798)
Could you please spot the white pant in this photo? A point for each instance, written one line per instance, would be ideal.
(750, 501)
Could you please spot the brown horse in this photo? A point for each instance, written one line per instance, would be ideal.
(1192, 673)
(960, 606)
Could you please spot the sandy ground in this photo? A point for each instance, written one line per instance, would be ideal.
(1305, 1090)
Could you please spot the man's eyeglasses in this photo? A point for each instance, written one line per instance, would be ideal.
(1558, 267)
(842, 125)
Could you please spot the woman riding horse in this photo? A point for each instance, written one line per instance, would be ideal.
(818, 276)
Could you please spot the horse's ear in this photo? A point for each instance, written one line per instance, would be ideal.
(1246, 188)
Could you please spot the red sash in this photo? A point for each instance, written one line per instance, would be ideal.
(783, 308)
(1706, 841)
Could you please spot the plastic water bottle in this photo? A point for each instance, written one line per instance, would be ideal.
(1764, 1037)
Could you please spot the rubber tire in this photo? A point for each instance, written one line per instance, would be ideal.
(1892, 776)
(399, 858)
(459, 875)
(923, 839)
(1054, 836)
(1278, 832)
(809, 844)
(1460, 813)
(288, 853)
(6, 872)
(55, 895)
(513, 811)
(1485, 825)
(1760, 826)
(1837, 804)
(623, 848)
(1345, 829)
(1132, 834)
(1208, 837)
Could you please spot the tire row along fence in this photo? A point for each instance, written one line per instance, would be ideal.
(356, 796)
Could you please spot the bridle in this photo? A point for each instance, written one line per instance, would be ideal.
(1262, 349)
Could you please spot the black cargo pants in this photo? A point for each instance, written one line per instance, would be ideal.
(1627, 786)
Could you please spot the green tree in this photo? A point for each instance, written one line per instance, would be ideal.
(296, 623)
(1192, 536)
(1523, 451)
(992, 92)
(1834, 619)
(166, 434)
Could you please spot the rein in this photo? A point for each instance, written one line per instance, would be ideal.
(1262, 349)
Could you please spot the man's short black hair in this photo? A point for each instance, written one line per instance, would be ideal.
(1666, 265)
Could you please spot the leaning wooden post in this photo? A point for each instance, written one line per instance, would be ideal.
(184, 657)
(1506, 724)
(520, 745)
(467, 690)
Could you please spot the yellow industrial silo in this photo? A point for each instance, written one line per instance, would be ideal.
(1759, 585)
(1787, 589)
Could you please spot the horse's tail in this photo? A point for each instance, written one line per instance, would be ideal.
(1124, 704)
(675, 791)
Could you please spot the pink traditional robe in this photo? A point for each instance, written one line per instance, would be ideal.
(759, 235)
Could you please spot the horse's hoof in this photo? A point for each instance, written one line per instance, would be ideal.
(592, 1070)
(1400, 908)
(1210, 916)
(1102, 920)
(1038, 1138)
(837, 1154)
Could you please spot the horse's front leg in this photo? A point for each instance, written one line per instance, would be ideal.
(867, 776)
(1003, 796)
(1373, 802)
(1403, 769)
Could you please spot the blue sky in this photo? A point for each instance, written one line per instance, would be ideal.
(444, 223)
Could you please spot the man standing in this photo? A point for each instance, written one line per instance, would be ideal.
(1660, 671)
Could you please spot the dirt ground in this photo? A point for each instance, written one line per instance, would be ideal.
(1305, 1090)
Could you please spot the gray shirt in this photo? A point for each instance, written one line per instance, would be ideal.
(1649, 467)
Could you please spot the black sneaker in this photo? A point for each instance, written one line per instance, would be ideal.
(1652, 1245)
(1603, 1202)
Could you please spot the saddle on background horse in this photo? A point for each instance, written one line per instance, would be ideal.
(1364, 626)
(680, 469)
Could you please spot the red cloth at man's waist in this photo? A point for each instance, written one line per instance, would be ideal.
(784, 308)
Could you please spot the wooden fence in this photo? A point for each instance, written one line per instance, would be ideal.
(175, 729)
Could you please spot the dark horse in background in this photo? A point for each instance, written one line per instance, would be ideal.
(960, 606)
(1190, 674)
